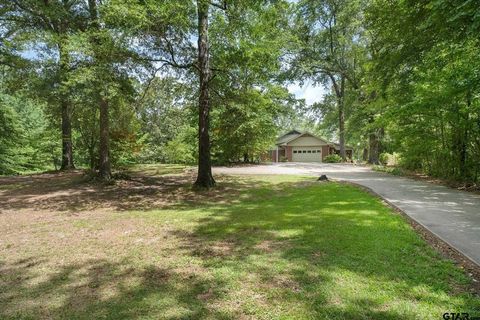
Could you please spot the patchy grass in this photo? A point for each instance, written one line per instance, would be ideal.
(158, 169)
(262, 247)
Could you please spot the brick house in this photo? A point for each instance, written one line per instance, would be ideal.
(296, 146)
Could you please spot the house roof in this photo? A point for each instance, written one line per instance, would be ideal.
(288, 136)
(337, 147)
(295, 134)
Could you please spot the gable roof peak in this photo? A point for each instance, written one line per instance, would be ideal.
(292, 132)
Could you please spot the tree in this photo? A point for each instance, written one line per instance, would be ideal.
(428, 78)
(249, 122)
(206, 59)
(53, 22)
(166, 109)
(25, 138)
(329, 49)
(98, 42)
(204, 176)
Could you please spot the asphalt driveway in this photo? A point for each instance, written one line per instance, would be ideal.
(454, 216)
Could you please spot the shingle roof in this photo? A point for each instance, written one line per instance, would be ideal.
(288, 136)
(291, 135)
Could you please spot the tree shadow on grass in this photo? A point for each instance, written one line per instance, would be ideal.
(270, 251)
(101, 289)
(70, 192)
(323, 237)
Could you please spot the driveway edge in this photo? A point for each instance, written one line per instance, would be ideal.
(471, 268)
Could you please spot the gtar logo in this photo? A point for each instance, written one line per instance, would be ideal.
(459, 316)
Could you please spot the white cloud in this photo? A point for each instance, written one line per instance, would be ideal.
(308, 91)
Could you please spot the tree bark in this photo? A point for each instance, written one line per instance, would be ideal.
(365, 154)
(204, 177)
(375, 146)
(341, 126)
(104, 166)
(373, 153)
(340, 94)
(104, 169)
(341, 119)
(67, 146)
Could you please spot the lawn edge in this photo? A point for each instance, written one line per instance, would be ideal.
(470, 268)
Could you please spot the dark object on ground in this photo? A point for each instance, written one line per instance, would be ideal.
(323, 178)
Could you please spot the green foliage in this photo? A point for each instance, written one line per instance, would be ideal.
(396, 171)
(332, 158)
(25, 138)
(247, 125)
(429, 87)
(140, 59)
(330, 49)
(394, 86)
(384, 158)
(178, 151)
(166, 119)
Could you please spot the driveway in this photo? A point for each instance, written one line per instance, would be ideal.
(452, 215)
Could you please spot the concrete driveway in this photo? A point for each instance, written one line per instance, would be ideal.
(454, 216)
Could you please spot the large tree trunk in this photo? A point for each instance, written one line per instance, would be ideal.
(104, 164)
(341, 119)
(375, 146)
(104, 167)
(365, 154)
(373, 152)
(204, 177)
(341, 126)
(67, 146)
(340, 94)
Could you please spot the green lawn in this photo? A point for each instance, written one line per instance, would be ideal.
(255, 248)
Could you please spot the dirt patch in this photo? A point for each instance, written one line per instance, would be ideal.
(71, 192)
(270, 246)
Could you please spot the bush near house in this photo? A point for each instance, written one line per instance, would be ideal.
(332, 158)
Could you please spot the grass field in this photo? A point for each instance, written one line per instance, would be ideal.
(262, 247)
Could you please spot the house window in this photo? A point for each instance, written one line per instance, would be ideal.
(309, 151)
(294, 151)
(319, 151)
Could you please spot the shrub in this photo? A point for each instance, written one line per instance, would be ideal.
(396, 171)
(332, 158)
(384, 158)
(178, 151)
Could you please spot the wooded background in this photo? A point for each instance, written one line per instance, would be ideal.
(111, 83)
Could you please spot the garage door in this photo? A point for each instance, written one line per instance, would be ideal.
(307, 154)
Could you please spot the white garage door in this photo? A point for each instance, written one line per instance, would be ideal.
(307, 154)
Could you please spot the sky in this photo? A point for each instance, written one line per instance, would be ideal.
(308, 91)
